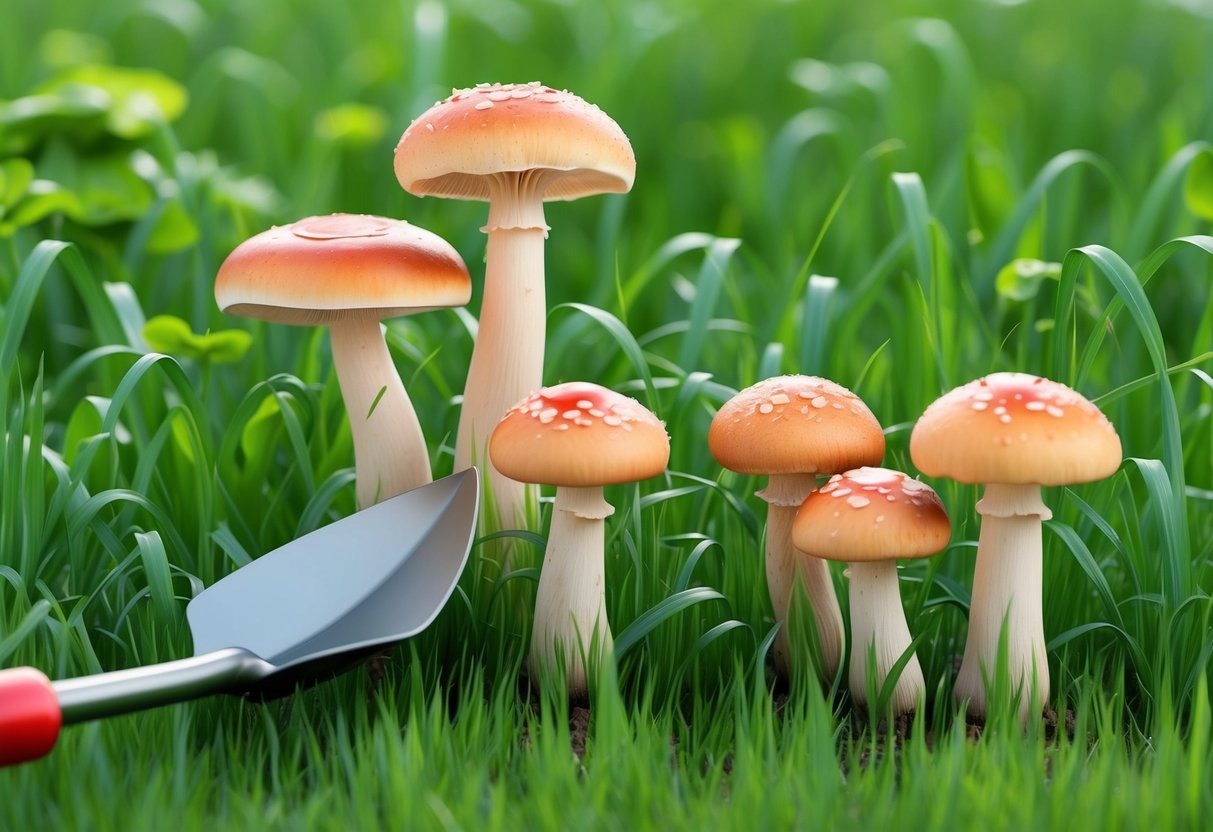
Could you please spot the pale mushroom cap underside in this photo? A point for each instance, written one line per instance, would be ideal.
(1017, 429)
(579, 434)
(795, 425)
(325, 269)
(456, 146)
(871, 514)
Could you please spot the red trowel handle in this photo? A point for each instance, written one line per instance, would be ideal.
(29, 715)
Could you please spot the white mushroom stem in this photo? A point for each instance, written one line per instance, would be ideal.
(1007, 586)
(570, 606)
(507, 360)
(784, 494)
(390, 455)
(878, 624)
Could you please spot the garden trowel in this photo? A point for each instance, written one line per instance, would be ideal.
(296, 615)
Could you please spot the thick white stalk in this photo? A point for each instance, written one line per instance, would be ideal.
(570, 605)
(507, 359)
(1007, 585)
(878, 623)
(390, 455)
(784, 494)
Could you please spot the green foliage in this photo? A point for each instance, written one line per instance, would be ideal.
(170, 334)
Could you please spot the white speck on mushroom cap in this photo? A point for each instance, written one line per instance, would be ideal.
(895, 486)
(795, 424)
(506, 92)
(626, 443)
(911, 522)
(1034, 431)
(582, 405)
(1014, 393)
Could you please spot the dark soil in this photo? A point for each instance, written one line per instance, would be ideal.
(1054, 724)
(579, 726)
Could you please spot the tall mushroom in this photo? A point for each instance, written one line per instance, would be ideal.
(869, 518)
(1014, 433)
(792, 428)
(516, 146)
(578, 437)
(350, 271)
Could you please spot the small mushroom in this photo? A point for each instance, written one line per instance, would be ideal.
(516, 146)
(578, 437)
(349, 272)
(792, 428)
(868, 518)
(1014, 433)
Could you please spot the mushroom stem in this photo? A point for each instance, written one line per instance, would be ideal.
(878, 624)
(784, 494)
(1007, 586)
(570, 605)
(507, 359)
(390, 455)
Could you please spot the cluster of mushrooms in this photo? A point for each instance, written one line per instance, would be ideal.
(1010, 432)
(517, 146)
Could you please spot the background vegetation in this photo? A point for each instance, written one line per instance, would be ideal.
(898, 195)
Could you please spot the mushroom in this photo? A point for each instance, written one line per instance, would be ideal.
(578, 437)
(869, 517)
(350, 271)
(516, 146)
(793, 428)
(1014, 433)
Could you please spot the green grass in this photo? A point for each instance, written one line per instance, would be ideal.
(845, 189)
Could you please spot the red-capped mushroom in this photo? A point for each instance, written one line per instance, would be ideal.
(516, 146)
(348, 272)
(1014, 433)
(868, 518)
(792, 428)
(578, 437)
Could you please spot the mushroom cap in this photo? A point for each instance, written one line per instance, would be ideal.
(1015, 429)
(456, 146)
(579, 434)
(320, 270)
(871, 514)
(795, 425)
